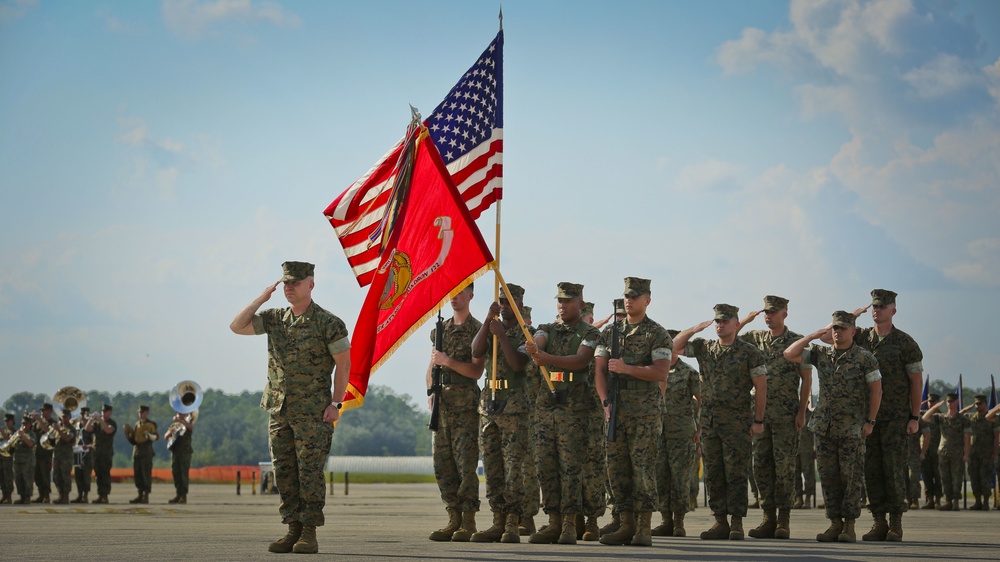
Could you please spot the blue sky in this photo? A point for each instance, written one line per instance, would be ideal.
(158, 162)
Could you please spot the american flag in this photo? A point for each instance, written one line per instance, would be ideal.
(467, 128)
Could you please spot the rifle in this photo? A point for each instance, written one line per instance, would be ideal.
(435, 389)
(612, 399)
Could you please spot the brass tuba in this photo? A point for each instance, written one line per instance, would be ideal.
(70, 398)
(185, 398)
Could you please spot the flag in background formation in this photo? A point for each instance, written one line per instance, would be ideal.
(434, 250)
(958, 391)
(993, 394)
(468, 130)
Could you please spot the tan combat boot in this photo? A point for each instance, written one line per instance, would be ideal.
(808, 502)
(625, 531)
(63, 499)
(466, 529)
(454, 522)
(136, 499)
(550, 533)
(945, 506)
(307, 541)
(285, 543)
(642, 536)
(144, 497)
(174, 499)
(736, 528)
(929, 503)
(797, 504)
(183, 499)
(781, 530)
(568, 533)
(847, 535)
(879, 529)
(767, 525)
(495, 531)
(833, 532)
(77, 499)
(666, 526)
(511, 530)
(526, 527)
(718, 531)
(101, 498)
(5, 499)
(895, 533)
(616, 522)
(590, 530)
(581, 522)
(679, 530)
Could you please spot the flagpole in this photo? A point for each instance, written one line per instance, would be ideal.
(496, 285)
(524, 329)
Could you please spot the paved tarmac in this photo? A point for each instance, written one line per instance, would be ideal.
(392, 522)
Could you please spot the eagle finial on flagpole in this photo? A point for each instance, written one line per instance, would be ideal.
(414, 114)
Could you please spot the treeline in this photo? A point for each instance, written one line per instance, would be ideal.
(232, 429)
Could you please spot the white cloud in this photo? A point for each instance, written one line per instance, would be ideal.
(192, 19)
(943, 75)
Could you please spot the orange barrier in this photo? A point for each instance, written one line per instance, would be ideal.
(209, 474)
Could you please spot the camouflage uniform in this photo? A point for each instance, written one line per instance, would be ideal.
(82, 473)
(981, 455)
(142, 462)
(595, 468)
(805, 461)
(62, 463)
(632, 455)
(532, 488)
(953, 431)
(456, 441)
(775, 449)
(677, 447)
(180, 461)
(929, 469)
(7, 464)
(23, 459)
(726, 415)
(885, 449)
(43, 463)
(504, 435)
(844, 376)
(562, 432)
(299, 378)
(104, 454)
(913, 467)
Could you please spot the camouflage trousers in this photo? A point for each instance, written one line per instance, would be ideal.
(62, 472)
(102, 473)
(774, 452)
(299, 449)
(456, 456)
(632, 461)
(532, 488)
(695, 477)
(561, 436)
(503, 439)
(931, 474)
(142, 472)
(43, 471)
(673, 474)
(180, 466)
(952, 471)
(885, 467)
(24, 471)
(913, 473)
(82, 474)
(838, 459)
(595, 470)
(726, 450)
(980, 472)
(7, 476)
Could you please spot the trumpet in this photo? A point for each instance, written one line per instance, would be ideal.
(7, 445)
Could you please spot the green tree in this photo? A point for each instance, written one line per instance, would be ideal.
(388, 424)
(24, 402)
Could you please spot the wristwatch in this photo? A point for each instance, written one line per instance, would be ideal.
(914, 418)
(761, 422)
(870, 422)
(337, 405)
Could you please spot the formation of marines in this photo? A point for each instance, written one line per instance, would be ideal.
(746, 408)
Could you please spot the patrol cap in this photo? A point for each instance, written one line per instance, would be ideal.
(525, 311)
(84, 410)
(951, 396)
(980, 398)
(46, 406)
(725, 311)
(569, 290)
(933, 397)
(106, 407)
(296, 271)
(883, 296)
(8, 417)
(843, 319)
(143, 408)
(636, 286)
(516, 291)
(588, 308)
(619, 306)
(26, 419)
(67, 413)
(773, 303)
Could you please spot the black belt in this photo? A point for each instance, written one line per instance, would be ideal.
(636, 384)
